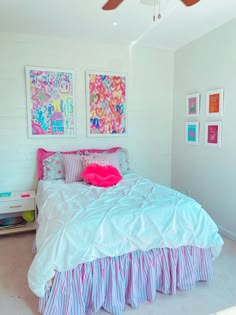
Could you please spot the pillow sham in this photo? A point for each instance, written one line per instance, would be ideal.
(101, 176)
(73, 168)
(101, 159)
(124, 161)
(91, 151)
(53, 167)
(124, 167)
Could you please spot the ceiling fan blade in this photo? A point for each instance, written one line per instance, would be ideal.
(112, 4)
(189, 3)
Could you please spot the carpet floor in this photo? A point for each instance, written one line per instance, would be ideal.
(206, 299)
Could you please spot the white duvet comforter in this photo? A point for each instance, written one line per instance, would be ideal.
(79, 223)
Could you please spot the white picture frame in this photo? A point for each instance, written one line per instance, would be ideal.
(215, 103)
(106, 98)
(213, 133)
(50, 102)
(192, 132)
(193, 105)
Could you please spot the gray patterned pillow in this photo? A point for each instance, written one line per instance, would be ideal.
(124, 161)
(53, 167)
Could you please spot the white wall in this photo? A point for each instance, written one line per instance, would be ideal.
(207, 173)
(150, 74)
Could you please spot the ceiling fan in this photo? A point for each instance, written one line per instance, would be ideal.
(113, 4)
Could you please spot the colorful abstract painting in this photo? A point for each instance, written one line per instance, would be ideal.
(50, 102)
(106, 104)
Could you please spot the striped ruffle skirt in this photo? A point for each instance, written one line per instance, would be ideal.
(110, 283)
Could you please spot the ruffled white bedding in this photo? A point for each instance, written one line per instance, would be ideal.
(80, 223)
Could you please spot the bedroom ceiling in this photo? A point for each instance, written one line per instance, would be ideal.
(131, 23)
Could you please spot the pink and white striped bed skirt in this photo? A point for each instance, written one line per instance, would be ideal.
(112, 282)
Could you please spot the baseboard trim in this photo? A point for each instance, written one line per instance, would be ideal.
(227, 233)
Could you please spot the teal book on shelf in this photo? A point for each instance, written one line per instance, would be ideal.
(5, 194)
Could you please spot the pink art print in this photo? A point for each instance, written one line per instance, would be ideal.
(192, 105)
(107, 104)
(50, 98)
(213, 131)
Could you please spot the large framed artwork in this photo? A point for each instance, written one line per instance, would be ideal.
(106, 104)
(192, 132)
(50, 102)
(214, 103)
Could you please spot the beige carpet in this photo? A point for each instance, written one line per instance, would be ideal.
(205, 299)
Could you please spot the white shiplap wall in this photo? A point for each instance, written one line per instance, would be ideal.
(150, 74)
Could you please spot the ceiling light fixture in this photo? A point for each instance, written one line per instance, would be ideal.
(154, 10)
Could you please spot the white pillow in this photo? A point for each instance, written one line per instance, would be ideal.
(101, 159)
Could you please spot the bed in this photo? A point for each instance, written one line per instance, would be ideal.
(105, 247)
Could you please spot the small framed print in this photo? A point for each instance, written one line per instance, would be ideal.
(192, 132)
(213, 131)
(192, 105)
(214, 103)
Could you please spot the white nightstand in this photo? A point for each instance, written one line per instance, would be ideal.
(13, 204)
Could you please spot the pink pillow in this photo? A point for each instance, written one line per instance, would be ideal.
(73, 168)
(102, 176)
